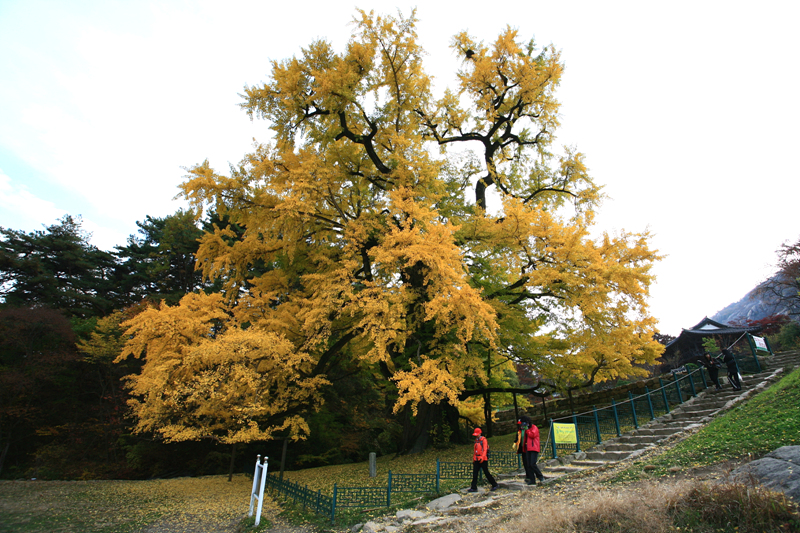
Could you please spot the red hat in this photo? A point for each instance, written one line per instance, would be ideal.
(476, 432)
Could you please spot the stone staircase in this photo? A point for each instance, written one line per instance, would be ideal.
(690, 415)
(457, 512)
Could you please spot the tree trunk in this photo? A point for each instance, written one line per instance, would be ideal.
(233, 462)
(283, 456)
(487, 413)
(544, 407)
(487, 398)
(453, 418)
(516, 409)
(416, 428)
(4, 453)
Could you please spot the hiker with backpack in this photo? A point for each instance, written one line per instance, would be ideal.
(480, 461)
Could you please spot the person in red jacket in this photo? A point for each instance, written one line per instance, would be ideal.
(480, 461)
(530, 445)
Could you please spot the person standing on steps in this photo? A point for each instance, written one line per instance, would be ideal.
(520, 441)
(733, 368)
(713, 368)
(480, 461)
(531, 446)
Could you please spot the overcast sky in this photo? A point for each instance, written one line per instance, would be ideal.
(687, 112)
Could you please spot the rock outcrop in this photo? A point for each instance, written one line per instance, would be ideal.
(778, 470)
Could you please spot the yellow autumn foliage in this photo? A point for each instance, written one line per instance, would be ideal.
(203, 379)
(364, 233)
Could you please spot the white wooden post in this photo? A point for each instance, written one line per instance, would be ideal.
(257, 492)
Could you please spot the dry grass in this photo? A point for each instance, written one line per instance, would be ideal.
(634, 510)
(646, 507)
(744, 508)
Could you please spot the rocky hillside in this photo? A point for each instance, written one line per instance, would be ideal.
(758, 304)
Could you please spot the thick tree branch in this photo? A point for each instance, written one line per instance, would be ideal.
(535, 390)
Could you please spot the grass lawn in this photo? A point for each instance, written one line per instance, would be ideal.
(767, 421)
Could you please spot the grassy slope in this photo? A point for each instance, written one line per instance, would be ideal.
(766, 422)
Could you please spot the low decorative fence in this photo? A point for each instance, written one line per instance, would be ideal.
(314, 501)
(381, 496)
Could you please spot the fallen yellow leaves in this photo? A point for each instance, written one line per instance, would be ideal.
(178, 505)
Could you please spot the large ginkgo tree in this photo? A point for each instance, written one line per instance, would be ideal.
(433, 242)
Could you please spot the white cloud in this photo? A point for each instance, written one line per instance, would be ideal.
(22, 209)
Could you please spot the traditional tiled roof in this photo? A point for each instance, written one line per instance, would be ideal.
(711, 327)
(708, 327)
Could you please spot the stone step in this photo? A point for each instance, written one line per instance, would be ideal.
(660, 429)
(513, 485)
(680, 416)
(711, 404)
(564, 469)
(671, 426)
(683, 422)
(653, 431)
(593, 455)
(629, 447)
(586, 463)
(689, 414)
(650, 436)
(640, 439)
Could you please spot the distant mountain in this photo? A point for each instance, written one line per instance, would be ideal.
(758, 304)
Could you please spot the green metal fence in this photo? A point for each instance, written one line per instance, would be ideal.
(381, 496)
(624, 415)
(509, 460)
(591, 428)
(413, 483)
(315, 501)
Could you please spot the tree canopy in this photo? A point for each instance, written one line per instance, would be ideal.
(430, 241)
(159, 263)
(56, 268)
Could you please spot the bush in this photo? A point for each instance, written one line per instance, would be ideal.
(789, 336)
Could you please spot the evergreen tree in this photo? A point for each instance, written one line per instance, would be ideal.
(57, 268)
(159, 263)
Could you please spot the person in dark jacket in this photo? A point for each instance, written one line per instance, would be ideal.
(733, 368)
(712, 366)
(519, 443)
(480, 461)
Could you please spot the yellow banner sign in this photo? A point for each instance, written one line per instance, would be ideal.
(565, 434)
